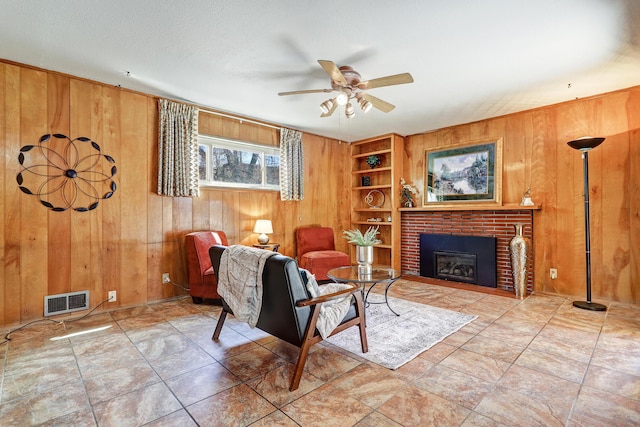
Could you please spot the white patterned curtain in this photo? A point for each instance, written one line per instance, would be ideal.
(178, 150)
(291, 165)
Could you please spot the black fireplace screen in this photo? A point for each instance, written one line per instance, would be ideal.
(467, 259)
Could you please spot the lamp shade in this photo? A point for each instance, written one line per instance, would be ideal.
(342, 98)
(263, 227)
(326, 106)
(585, 143)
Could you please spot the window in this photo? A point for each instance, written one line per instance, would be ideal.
(229, 163)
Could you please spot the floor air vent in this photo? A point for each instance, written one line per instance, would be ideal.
(66, 303)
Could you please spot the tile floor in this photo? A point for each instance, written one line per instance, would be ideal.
(537, 362)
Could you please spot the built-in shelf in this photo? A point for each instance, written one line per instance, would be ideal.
(383, 246)
(371, 153)
(384, 179)
(471, 207)
(372, 222)
(368, 171)
(372, 210)
(372, 187)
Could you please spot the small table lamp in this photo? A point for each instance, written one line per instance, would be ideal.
(263, 227)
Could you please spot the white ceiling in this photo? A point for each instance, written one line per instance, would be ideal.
(470, 59)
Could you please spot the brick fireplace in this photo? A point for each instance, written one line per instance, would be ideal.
(494, 223)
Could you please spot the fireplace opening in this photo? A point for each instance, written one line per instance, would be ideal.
(466, 259)
(457, 266)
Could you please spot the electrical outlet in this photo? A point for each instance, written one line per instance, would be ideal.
(165, 278)
(553, 273)
(112, 296)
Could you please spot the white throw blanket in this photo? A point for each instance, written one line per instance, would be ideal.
(331, 312)
(240, 281)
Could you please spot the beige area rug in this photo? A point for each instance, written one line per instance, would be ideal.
(395, 340)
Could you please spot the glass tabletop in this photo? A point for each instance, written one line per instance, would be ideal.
(350, 274)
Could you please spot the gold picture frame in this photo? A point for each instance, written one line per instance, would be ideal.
(464, 173)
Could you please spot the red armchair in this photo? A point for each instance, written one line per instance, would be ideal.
(202, 280)
(317, 251)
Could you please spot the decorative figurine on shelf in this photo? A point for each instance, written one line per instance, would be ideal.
(407, 193)
(373, 161)
(526, 198)
(370, 199)
(366, 181)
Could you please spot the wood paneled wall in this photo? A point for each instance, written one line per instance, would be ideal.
(131, 239)
(536, 155)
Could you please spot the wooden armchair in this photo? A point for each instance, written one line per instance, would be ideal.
(288, 310)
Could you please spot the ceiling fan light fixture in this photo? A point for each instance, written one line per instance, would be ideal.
(349, 111)
(342, 98)
(326, 106)
(348, 87)
(365, 105)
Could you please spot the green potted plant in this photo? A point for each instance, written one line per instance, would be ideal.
(364, 246)
(356, 237)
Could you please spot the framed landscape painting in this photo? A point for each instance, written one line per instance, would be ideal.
(468, 173)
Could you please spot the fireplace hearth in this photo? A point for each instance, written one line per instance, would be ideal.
(480, 222)
(466, 259)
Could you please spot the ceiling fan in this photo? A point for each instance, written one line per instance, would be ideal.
(346, 81)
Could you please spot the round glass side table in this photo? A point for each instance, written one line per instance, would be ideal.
(349, 274)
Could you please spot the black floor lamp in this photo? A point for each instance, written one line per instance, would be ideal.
(586, 144)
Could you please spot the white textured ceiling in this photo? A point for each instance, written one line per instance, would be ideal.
(470, 59)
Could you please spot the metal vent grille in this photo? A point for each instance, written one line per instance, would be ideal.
(66, 303)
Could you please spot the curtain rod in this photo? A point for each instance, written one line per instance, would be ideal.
(240, 119)
(231, 116)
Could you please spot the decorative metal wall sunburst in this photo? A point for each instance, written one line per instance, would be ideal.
(66, 173)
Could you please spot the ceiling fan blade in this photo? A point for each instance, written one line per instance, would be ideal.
(397, 79)
(378, 103)
(330, 112)
(334, 72)
(298, 92)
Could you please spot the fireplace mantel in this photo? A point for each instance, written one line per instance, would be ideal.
(472, 207)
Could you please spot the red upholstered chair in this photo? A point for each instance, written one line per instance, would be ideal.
(202, 280)
(317, 251)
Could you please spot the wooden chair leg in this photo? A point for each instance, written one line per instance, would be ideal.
(304, 349)
(362, 325)
(221, 319)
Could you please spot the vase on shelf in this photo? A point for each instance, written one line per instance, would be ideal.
(520, 250)
(364, 258)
